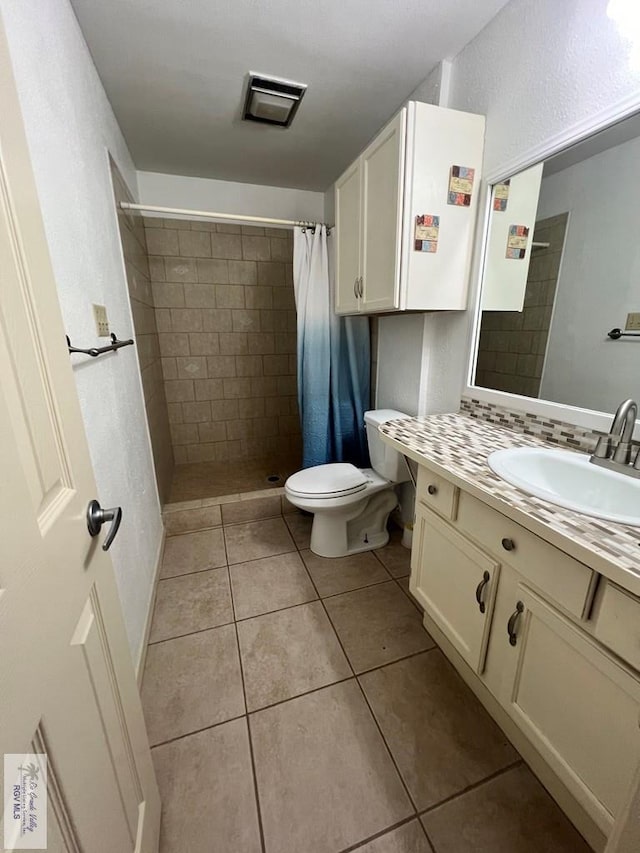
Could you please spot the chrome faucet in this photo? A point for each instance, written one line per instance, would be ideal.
(614, 449)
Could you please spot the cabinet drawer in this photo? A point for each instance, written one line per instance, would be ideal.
(437, 493)
(566, 581)
(617, 622)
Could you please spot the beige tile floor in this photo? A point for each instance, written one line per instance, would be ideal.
(296, 705)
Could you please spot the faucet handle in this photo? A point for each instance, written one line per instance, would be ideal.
(604, 447)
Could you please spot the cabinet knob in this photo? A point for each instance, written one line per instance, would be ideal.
(508, 544)
(432, 489)
(486, 577)
(512, 624)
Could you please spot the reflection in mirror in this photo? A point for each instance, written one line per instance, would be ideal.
(562, 268)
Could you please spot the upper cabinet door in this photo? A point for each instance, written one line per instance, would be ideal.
(442, 187)
(382, 189)
(347, 240)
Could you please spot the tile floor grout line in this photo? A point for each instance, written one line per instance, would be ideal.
(194, 572)
(375, 721)
(236, 620)
(388, 748)
(360, 844)
(198, 731)
(433, 648)
(250, 739)
(300, 695)
(359, 588)
(428, 837)
(474, 785)
(195, 530)
(277, 610)
(251, 520)
(384, 740)
(191, 633)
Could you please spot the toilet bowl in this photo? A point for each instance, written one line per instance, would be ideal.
(351, 505)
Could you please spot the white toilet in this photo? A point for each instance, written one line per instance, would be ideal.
(351, 505)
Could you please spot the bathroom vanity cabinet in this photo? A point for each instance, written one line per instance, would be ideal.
(407, 172)
(550, 646)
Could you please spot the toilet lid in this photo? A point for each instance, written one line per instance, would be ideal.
(327, 481)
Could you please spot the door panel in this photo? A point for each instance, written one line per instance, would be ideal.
(348, 188)
(382, 188)
(456, 584)
(66, 676)
(578, 706)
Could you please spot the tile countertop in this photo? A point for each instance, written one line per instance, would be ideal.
(456, 447)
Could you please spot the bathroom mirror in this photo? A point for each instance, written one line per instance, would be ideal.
(561, 270)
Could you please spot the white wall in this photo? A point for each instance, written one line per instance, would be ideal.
(537, 70)
(598, 282)
(230, 197)
(70, 128)
(434, 89)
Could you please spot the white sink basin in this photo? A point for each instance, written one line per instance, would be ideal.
(568, 479)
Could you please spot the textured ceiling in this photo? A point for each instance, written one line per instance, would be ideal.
(175, 72)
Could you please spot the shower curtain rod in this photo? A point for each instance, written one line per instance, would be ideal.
(209, 214)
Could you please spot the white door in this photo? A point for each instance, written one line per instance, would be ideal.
(347, 240)
(577, 704)
(456, 584)
(67, 685)
(382, 191)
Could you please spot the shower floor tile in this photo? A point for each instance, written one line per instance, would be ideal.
(385, 762)
(198, 480)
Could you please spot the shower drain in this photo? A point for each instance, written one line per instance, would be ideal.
(274, 478)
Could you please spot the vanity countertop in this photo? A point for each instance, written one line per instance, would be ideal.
(457, 446)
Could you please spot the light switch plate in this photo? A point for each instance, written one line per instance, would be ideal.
(102, 321)
(633, 322)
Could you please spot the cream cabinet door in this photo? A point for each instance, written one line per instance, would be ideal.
(347, 240)
(456, 584)
(382, 190)
(576, 703)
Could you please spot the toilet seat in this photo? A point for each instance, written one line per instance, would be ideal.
(335, 480)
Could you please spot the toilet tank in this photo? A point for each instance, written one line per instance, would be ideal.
(386, 461)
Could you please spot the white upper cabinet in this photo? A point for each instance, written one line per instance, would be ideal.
(382, 165)
(411, 231)
(347, 240)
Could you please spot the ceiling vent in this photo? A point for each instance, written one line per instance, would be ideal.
(272, 101)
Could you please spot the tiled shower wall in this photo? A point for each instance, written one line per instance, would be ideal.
(134, 249)
(513, 344)
(225, 312)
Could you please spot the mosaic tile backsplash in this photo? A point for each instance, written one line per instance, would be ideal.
(554, 431)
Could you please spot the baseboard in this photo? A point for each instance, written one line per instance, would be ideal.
(142, 655)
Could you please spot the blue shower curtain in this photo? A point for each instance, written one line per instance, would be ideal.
(334, 356)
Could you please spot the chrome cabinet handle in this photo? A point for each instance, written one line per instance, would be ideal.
(486, 577)
(96, 517)
(355, 287)
(508, 544)
(512, 624)
(360, 288)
